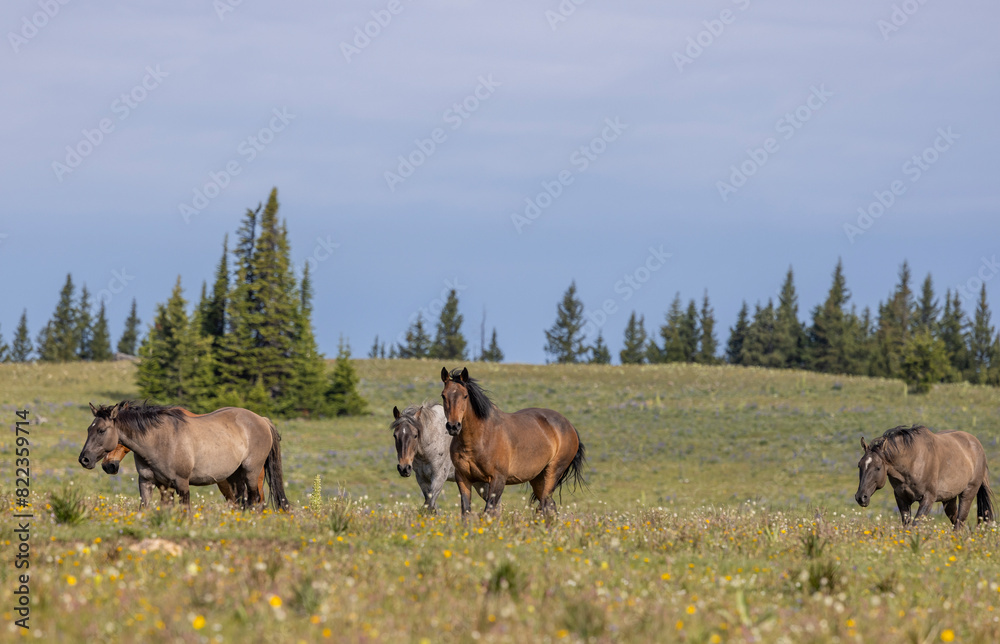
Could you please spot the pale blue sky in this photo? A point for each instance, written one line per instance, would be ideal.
(530, 91)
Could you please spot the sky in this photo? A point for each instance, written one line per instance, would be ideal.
(641, 149)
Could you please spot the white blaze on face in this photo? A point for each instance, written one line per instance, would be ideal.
(868, 461)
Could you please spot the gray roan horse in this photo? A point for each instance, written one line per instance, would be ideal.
(925, 467)
(422, 448)
(229, 444)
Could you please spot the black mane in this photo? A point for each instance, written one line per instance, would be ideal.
(139, 417)
(902, 436)
(479, 399)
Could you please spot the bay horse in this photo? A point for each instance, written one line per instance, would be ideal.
(490, 446)
(147, 479)
(182, 449)
(925, 468)
(423, 447)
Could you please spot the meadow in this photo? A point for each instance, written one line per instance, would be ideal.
(719, 509)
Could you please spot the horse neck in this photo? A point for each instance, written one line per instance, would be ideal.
(132, 439)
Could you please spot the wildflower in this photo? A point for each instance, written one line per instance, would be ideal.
(947, 635)
(198, 622)
(275, 601)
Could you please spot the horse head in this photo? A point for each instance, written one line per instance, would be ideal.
(406, 434)
(455, 396)
(102, 435)
(872, 472)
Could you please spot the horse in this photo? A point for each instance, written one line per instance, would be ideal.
(925, 467)
(181, 449)
(423, 447)
(491, 446)
(144, 472)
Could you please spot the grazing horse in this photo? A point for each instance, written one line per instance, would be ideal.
(113, 460)
(925, 467)
(181, 449)
(496, 448)
(423, 447)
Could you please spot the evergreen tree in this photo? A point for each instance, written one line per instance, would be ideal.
(599, 353)
(213, 308)
(237, 350)
(789, 334)
(84, 327)
(564, 341)
(100, 339)
(927, 313)
(634, 351)
(21, 348)
(176, 360)
(895, 325)
(738, 336)
(58, 340)
(679, 333)
(309, 384)
(759, 345)
(925, 361)
(707, 344)
(129, 341)
(833, 336)
(449, 343)
(418, 341)
(493, 352)
(373, 352)
(952, 331)
(4, 350)
(981, 341)
(342, 395)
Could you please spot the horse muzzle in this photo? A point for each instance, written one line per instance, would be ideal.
(862, 499)
(87, 462)
(404, 470)
(109, 468)
(453, 428)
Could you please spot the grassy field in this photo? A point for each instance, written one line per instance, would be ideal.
(720, 509)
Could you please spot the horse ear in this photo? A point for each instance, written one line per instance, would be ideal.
(395, 413)
(864, 445)
(92, 408)
(465, 375)
(444, 374)
(114, 412)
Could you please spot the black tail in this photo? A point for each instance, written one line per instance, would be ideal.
(984, 501)
(273, 473)
(574, 471)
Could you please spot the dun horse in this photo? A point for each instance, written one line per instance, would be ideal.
(423, 448)
(229, 444)
(490, 446)
(925, 468)
(147, 480)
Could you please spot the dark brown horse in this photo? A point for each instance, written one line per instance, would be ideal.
(181, 449)
(925, 468)
(490, 446)
(112, 463)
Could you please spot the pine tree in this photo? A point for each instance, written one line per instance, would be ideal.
(129, 341)
(308, 386)
(449, 343)
(831, 338)
(493, 353)
(58, 340)
(373, 352)
(738, 336)
(213, 308)
(634, 351)
(176, 360)
(84, 327)
(925, 361)
(237, 351)
(707, 343)
(927, 313)
(342, 395)
(599, 353)
(952, 330)
(895, 325)
(21, 348)
(564, 341)
(5, 355)
(789, 334)
(675, 335)
(981, 338)
(759, 345)
(418, 341)
(100, 339)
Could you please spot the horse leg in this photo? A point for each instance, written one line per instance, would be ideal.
(254, 495)
(904, 508)
(464, 491)
(227, 491)
(184, 490)
(145, 491)
(924, 508)
(493, 493)
(965, 505)
(951, 510)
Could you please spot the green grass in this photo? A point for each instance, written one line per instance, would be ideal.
(720, 508)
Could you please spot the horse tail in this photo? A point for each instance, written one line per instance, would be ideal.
(575, 470)
(984, 500)
(273, 472)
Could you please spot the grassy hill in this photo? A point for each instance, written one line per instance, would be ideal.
(720, 508)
